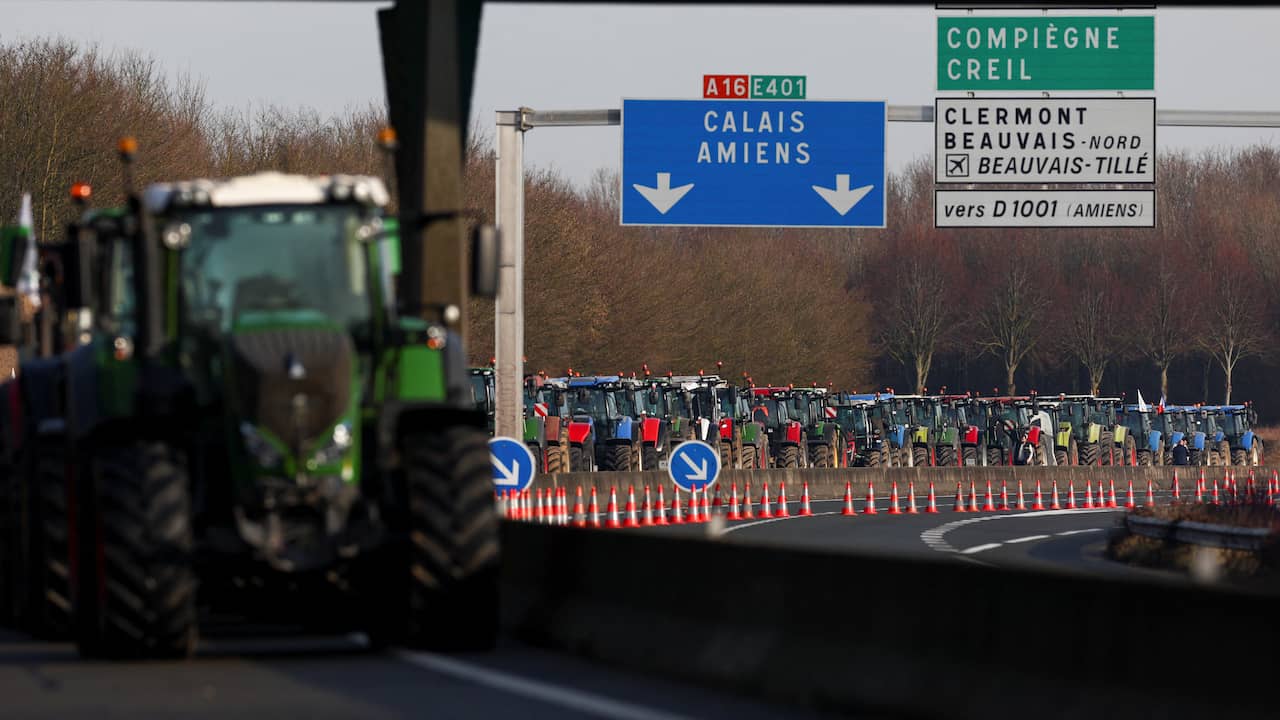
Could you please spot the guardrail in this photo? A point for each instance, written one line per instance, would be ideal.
(1197, 533)
(882, 636)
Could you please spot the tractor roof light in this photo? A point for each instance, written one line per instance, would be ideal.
(387, 138)
(128, 147)
(81, 192)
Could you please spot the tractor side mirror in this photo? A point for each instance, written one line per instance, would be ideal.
(13, 248)
(10, 319)
(485, 243)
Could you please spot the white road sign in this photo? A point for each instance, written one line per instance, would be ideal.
(1044, 208)
(1045, 140)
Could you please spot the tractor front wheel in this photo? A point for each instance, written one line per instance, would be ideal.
(141, 561)
(1239, 457)
(453, 540)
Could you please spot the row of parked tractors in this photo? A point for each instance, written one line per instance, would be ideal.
(576, 423)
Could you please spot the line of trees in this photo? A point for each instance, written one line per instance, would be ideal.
(1188, 309)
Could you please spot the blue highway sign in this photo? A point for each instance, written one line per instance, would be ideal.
(764, 163)
(512, 462)
(693, 464)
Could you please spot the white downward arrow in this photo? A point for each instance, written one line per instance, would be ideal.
(664, 196)
(842, 199)
(699, 473)
(506, 476)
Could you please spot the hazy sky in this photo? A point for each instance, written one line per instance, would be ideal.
(325, 55)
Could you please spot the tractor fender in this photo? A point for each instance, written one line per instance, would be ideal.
(704, 430)
(920, 436)
(1120, 434)
(970, 436)
(1063, 439)
(1175, 437)
(1033, 435)
(898, 435)
(533, 430)
(551, 428)
(623, 429)
(651, 430)
(579, 431)
(1094, 433)
(1197, 440)
(948, 436)
(1246, 442)
(1217, 437)
(1153, 440)
(795, 433)
(726, 428)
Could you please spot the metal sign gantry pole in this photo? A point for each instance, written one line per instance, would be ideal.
(509, 308)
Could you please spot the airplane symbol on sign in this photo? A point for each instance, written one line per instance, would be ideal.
(957, 166)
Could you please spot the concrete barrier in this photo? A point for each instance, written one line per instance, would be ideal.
(829, 484)
(881, 636)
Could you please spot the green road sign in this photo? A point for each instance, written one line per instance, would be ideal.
(1046, 53)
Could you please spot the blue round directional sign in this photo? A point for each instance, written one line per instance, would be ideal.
(512, 462)
(693, 464)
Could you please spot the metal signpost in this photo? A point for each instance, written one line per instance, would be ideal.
(1103, 52)
(512, 462)
(694, 465)
(772, 163)
(1040, 140)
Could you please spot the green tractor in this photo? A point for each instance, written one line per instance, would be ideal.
(482, 385)
(1092, 424)
(546, 431)
(250, 407)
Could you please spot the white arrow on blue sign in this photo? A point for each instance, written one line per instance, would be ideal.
(693, 464)
(763, 163)
(512, 462)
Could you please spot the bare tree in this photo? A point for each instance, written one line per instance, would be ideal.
(1234, 326)
(1013, 323)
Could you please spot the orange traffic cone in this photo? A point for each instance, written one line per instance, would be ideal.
(579, 514)
(1071, 494)
(869, 507)
(706, 506)
(1130, 502)
(782, 500)
(932, 509)
(973, 498)
(647, 517)
(1022, 501)
(1215, 492)
(848, 499)
(612, 521)
(719, 502)
(537, 507)
(1200, 488)
(989, 505)
(593, 510)
(893, 500)
(695, 508)
(1177, 489)
(1039, 501)
(1004, 495)
(766, 510)
(1111, 503)
(676, 517)
(1151, 494)
(733, 503)
(747, 512)
(1054, 504)
(804, 501)
(960, 498)
(632, 519)
(1088, 492)
(911, 498)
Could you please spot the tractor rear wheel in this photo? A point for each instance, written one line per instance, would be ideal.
(452, 568)
(819, 456)
(143, 542)
(789, 456)
(995, 456)
(726, 455)
(946, 455)
(649, 457)
(970, 455)
(617, 458)
(1259, 454)
(919, 456)
(1194, 457)
(555, 460)
(1130, 455)
(1089, 454)
(1239, 457)
(747, 457)
(1106, 448)
(1166, 457)
(873, 458)
(1224, 453)
(1144, 458)
(41, 559)
(579, 459)
(1059, 456)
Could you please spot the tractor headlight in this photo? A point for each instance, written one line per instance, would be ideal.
(263, 451)
(334, 448)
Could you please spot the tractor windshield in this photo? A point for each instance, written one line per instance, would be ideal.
(247, 261)
(480, 392)
(852, 420)
(728, 403)
(676, 405)
(703, 404)
(594, 403)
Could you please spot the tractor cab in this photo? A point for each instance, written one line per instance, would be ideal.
(481, 380)
(863, 440)
(603, 432)
(783, 416)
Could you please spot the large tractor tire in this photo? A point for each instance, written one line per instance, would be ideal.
(649, 457)
(726, 455)
(1239, 457)
(1130, 455)
(1224, 453)
(946, 455)
(580, 459)
(1059, 456)
(1166, 457)
(1195, 457)
(747, 456)
(1089, 454)
(820, 456)
(995, 456)
(919, 456)
(141, 510)
(41, 589)
(969, 455)
(1258, 455)
(789, 456)
(1106, 448)
(1157, 457)
(555, 460)
(617, 458)
(452, 568)
(1144, 458)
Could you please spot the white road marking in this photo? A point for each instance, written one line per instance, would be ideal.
(979, 548)
(561, 695)
(1029, 538)
(933, 537)
(1077, 532)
